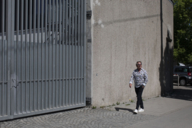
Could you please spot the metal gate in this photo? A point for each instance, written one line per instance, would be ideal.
(42, 56)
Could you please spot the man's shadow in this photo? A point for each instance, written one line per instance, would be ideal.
(126, 109)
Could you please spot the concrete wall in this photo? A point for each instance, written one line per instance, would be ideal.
(166, 65)
(123, 32)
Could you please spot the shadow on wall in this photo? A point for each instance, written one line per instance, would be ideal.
(166, 66)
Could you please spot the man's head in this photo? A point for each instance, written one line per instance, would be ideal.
(139, 65)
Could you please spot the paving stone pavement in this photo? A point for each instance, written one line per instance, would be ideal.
(79, 118)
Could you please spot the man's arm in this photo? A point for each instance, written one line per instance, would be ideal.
(131, 80)
(145, 78)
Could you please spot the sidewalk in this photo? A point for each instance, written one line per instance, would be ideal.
(158, 106)
(177, 119)
(157, 110)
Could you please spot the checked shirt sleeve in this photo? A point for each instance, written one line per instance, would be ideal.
(132, 78)
(145, 78)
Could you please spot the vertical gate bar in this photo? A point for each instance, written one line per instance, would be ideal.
(52, 43)
(72, 28)
(13, 68)
(75, 43)
(85, 49)
(2, 111)
(46, 91)
(53, 33)
(75, 63)
(49, 52)
(52, 79)
(1, 67)
(34, 32)
(42, 58)
(26, 32)
(77, 13)
(81, 52)
(56, 56)
(61, 52)
(30, 56)
(17, 42)
(79, 46)
(82, 16)
(74, 46)
(38, 56)
(21, 61)
(70, 77)
(67, 53)
(80, 43)
(73, 52)
(60, 48)
(80, 38)
(64, 51)
(77, 30)
(10, 61)
(63, 44)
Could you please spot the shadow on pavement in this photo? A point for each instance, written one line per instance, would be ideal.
(181, 92)
(186, 86)
(126, 109)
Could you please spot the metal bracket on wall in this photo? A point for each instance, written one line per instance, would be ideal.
(88, 101)
(89, 14)
(89, 40)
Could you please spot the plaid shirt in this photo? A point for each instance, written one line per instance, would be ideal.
(140, 78)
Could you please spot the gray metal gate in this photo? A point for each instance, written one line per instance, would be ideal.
(42, 56)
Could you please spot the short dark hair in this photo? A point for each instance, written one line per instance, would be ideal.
(138, 62)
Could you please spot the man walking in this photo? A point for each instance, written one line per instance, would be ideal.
(140, 77)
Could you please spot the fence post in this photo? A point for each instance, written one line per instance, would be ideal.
(10, 48)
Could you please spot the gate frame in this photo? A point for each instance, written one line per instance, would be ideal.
(12, 83)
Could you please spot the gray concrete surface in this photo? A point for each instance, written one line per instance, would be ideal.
(178, 119)
(82, 118)
(123, 32)
(168, 112)
(158, 106)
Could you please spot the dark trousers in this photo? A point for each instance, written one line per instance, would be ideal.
(139, 92)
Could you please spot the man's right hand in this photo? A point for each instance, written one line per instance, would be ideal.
(130, 85)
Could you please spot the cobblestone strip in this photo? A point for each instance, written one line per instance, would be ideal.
(80, 118)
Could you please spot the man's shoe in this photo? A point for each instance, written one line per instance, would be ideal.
(141, 110)
(136, 111)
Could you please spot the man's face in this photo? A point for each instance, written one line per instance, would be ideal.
(139, 65)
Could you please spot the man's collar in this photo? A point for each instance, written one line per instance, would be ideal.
(140, 70)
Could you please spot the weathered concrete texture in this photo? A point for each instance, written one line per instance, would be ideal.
(125, 31)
